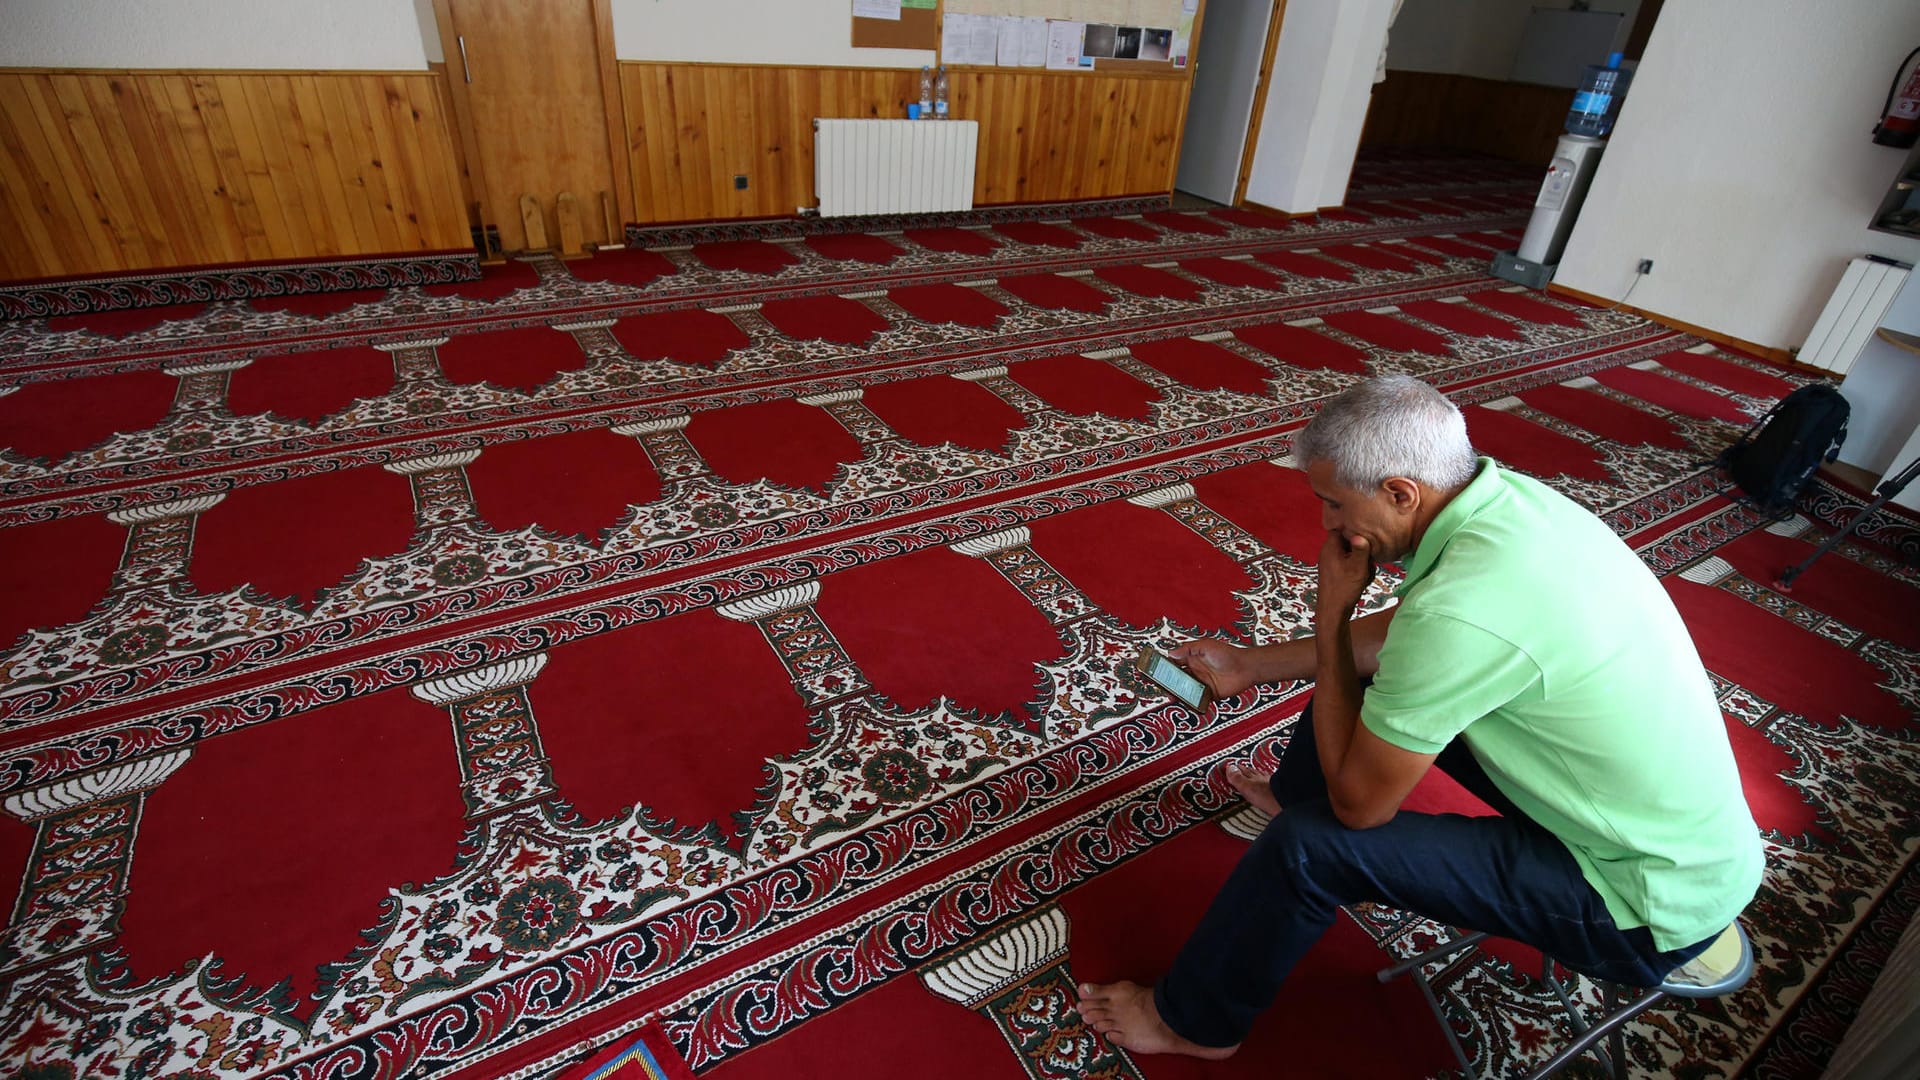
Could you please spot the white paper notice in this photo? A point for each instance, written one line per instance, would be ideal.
(1063, 44)
(1033, 42)
(1023, 42)
(970, 39)
(877, 9)
(986, 40)
(1189, 6)
(956, 38)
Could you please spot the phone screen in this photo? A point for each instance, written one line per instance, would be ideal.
(1173, 677)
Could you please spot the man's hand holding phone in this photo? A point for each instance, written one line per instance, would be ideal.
(1227, 669)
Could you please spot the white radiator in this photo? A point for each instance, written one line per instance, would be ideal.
(1857, 306)
(893, 166)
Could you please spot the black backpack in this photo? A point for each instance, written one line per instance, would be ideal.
(1775, 458)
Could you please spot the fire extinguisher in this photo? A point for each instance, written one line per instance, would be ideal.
(1900, 116)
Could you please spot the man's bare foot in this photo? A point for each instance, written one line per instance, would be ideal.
(1124, 1012)
(1253, 786)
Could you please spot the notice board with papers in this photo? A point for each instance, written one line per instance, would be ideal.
(1130, 36)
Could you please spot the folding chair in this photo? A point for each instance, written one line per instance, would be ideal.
(1724, 967)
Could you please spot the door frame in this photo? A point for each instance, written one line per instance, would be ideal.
(1260, 84)
(613, 100)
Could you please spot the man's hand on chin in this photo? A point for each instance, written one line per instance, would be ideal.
(1346, 568)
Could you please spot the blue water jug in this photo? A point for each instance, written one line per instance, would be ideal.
(1597, 102)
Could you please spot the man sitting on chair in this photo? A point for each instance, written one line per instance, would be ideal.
(1539, 663)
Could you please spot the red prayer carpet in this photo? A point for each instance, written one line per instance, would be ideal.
(711, 658)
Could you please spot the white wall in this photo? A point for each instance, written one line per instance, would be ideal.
(1477, 37)
(1317, 101)
(1741, 164)
(429, 31)
(317, 35)
(748, 32)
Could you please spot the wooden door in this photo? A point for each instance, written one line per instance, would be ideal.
(528, 77)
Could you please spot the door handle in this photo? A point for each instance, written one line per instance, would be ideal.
(465, 68)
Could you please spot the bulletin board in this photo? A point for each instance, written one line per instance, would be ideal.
(1136, 36)
(918, 26)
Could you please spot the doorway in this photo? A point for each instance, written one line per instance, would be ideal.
(1227, 81)
(534, 85)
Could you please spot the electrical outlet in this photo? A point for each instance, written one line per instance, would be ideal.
(1646, 267)
(740, 182)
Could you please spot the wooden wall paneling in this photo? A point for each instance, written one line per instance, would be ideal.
(613, 98)
(281, 219)
(416, 174)
(249, 107)
(690, 128)
(110, 172)
(1517, 121)
(235, 182)
(364, 169)
(53, 194)
(317, 152)
(24, 190)
(160, 146)
(426, 99)
(154, 151)
(387, 163)
(221, 207)
(643, 90)
(364, 201)
(725, 128)
(102, 144)
(769, 159)
(694, 136)
(87, 195)
(295, 187)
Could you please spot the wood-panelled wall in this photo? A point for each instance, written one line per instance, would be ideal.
(1517, 121)
(691, 128)
(120, 171)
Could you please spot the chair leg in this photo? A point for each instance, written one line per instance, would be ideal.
(1412, 965)
(1617, 1045)
(1440, 1016)
(1592, 1035)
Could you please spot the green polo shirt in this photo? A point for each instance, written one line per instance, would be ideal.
(1528, 629)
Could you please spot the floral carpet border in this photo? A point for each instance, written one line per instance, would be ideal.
(1836, 505)
(1806, 1036)
(522, 1007)
(92, 295)
(790, 228)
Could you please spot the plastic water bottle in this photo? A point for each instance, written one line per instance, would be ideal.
(1597, 102)
(926, 93)
(940, 94)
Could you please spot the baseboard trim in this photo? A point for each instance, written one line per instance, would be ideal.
(1249, 204)
(1777, 356)
(788, 228)
(92, 294)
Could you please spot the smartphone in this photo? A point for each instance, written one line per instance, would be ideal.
(1173, 678)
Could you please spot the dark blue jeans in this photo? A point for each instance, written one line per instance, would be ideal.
(1506, 875)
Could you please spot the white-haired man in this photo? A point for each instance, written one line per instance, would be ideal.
(1536, 660)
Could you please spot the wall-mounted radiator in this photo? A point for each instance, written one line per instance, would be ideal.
(893, 166)
(1857, 306)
